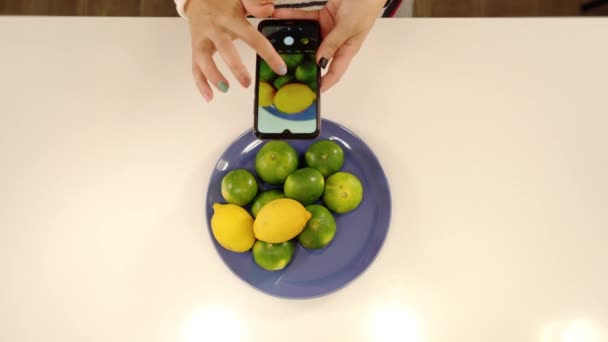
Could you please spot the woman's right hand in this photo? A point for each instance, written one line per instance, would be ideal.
(214, 24)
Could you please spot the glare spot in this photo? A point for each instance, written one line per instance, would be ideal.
(214, 324)
(583, 330)
(391, 321)
(222, 165)
(340, 141)
(578, 330)
(251, 146)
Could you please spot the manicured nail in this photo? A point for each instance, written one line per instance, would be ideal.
(245, 81)
(323, 62)
(222, 86)
(282, 70)
(207, 97)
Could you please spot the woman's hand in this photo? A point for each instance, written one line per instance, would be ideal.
(214, 24)
(259, 8)
(344, 26)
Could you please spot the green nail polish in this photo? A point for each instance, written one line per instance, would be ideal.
(222, 86)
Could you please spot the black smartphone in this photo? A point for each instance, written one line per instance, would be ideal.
(287, 106)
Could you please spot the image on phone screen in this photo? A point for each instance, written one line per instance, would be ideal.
(289, 104)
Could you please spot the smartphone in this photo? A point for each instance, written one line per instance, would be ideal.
(287, 107)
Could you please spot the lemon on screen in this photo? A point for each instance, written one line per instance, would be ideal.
(265, 94)
(232, 227)
(293, 98)
(280, 220)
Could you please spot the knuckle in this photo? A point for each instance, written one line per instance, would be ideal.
(222, 21)
(332, 47)
(203, 47)
(205, 67)
(240, 72)
(221, 42)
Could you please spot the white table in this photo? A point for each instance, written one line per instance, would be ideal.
(492, 133)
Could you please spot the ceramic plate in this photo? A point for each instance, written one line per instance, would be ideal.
(359, 234)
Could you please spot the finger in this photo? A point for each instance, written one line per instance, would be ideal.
(287, 13)
(334, 41)
(201, 83)
(259, 8)
(204, 60)
(339, 64)
(259, 43)
(226, 47)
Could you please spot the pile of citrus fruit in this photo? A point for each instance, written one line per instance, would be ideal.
(293, 92)
(299, 205)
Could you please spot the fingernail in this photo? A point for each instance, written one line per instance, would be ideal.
(206, 96)
(245, 81)
(222, 86)
(282, 70)
(323, 62)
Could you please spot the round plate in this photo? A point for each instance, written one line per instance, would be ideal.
(307, 114)
(359, 234)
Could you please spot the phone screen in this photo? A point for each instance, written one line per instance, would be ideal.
(287, 106)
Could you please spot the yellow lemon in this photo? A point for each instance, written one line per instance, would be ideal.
(265, 94)
(293, 98)
(232, 227)
(280, 220)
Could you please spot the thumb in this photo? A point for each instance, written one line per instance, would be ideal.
(330, 44)
(259, 8)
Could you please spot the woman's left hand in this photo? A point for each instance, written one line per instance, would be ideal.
(344, 27)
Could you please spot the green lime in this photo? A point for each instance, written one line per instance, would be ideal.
(275, 161)
(266, 73)
(292, 60)
(306, 72)
(304, 185)
(313, 85)
(282, 80)
(343, 192)
(263, 198)
(319, 230)
(273, 256)
(239, 187)
(325, 156)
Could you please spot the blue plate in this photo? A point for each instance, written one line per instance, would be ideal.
(359, 234)
(309, 113)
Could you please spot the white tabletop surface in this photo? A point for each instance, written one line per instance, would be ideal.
(493, 134)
